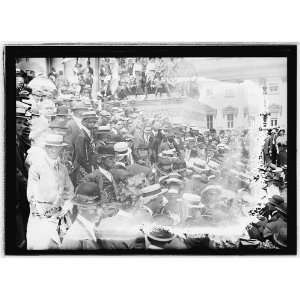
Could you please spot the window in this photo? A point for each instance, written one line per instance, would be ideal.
(274, 122)
(229, 120)
(209, 121)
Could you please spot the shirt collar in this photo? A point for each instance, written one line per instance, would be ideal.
(89, 226)
(87, 131)
(106, 173)
(148, 209)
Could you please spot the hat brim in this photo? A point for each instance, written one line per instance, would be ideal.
(152, 197)
(22, 117)
(56, 145)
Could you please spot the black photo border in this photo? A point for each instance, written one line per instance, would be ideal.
(11, 52)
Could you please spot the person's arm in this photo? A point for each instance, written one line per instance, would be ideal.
(32, 184)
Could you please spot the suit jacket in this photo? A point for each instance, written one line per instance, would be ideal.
(79, 237)
(83, 152)
(72, 132)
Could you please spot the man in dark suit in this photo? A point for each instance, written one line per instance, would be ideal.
(84, 159)
(22, 208)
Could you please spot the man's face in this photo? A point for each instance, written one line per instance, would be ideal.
(142, 153)
(92, 213)
(20, 125)
(104, 121)
(37, 98)
(47, 110)
(89, 123)
(109, 162)
(19, 82)
(53, 151)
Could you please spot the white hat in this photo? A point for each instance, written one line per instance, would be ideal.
(89, 115)
(121, 148)
(151, 192)
(167, 153)
(20, 112)
(55, 140)
(192, 200)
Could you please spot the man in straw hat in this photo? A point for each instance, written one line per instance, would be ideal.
(49, 193)
(82, 235)
(152, 202)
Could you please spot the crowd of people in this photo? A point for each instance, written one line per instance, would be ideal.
(122, 78)
(100, 174)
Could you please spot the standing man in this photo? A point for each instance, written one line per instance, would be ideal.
(49, 193)
(105, 157)
(84, 160)
(22, 208)
(82, 235)
(266, 148)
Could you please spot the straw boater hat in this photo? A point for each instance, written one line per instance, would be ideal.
(55, 140)
(152, 192)
(191, 200)
(87, 194)
(104, 113)
(103, 129)
(121, 148)
(79, 107)
(168, 153)
(159, 234)
(21, 113)
(147, 129)
(89, 115)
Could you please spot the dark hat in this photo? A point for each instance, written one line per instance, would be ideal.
(142, 146)
(87, 194)
(105, 151)
(282, 209)
(276, 200)
(179, 165)
(62, 110)
(163, 161)
(280, 237)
